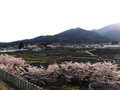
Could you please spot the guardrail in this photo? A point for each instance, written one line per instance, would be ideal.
(103, 86)
(18, 82)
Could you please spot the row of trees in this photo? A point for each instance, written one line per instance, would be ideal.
(65, 73)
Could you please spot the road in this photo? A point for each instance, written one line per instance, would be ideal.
(88, 51)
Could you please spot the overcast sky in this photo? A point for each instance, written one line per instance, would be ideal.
(25, 19)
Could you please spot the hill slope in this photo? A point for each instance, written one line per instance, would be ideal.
(76, 35)
(110, 31)
(79, 35)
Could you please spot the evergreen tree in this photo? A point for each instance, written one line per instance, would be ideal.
(21, 45)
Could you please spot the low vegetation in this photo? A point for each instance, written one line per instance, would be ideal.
(4, 86)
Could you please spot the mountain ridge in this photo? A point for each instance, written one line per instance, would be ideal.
(111, 31)
(77, 35)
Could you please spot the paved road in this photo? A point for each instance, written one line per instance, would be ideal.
(88, 51)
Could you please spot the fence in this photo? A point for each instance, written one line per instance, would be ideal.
(18, 82)
(103, 86)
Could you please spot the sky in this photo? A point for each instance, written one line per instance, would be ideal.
(26, 19)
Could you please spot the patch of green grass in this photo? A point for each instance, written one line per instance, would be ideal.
(36, 62)
(2, 87)
(35, 59)
(63, 88)
(13, 55)
(85, 57)
(31, 60)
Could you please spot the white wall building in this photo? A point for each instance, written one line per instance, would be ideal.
(111, 46)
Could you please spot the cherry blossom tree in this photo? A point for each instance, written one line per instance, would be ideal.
(42, 76)
(66, 72)
(12, 65)
(106, 72)
(59, 74)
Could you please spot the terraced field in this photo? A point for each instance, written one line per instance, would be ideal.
(45, 57)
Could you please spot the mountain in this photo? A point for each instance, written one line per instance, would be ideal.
(110, 31)
(113, 35)
(77, 35)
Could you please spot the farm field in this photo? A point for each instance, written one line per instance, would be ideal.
(45, 57)
(108, 54)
